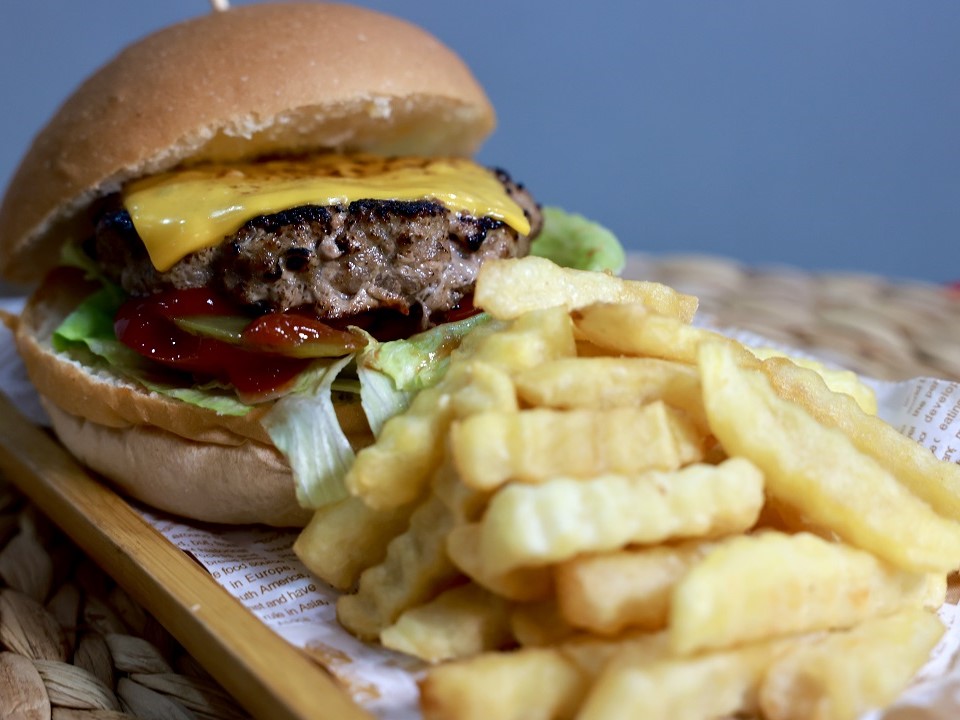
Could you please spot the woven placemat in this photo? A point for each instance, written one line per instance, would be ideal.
(881, 328)
(74, 645)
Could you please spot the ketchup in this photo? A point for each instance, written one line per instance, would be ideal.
(146, 325)
(273, 348)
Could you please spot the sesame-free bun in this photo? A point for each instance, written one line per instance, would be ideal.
(171, 455)
(255, 80)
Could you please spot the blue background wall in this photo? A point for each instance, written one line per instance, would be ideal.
(823, 133)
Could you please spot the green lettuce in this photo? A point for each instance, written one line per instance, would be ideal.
(87, 333)
(303, 425)
(573, 241)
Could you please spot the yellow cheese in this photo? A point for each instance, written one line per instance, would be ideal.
(180, 212)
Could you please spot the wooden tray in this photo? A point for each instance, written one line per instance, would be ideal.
(268, 676)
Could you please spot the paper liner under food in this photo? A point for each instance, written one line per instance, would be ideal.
(258, 567)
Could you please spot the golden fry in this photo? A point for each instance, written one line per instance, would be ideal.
(608, 382)
(414, 570)
(839, 381)
(819, 472)
(914, 466)
(343, 539)
(630, 588)
(542, 524)
(532, 446)
(520, 584)
(536, 624)
(396, 469)
(504, 290)
(755, 587)
(460, 622)
(528, 684)
(635, 330)
(842, 675)
(709, 686)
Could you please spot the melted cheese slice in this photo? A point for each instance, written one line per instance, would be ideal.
(180, 212)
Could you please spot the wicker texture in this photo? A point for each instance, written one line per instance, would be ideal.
(73, 644)
(887, 330)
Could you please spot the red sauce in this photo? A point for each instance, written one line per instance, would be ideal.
(266, 362)
(146, 325)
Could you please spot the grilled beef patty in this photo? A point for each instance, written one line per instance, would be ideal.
(334, 261)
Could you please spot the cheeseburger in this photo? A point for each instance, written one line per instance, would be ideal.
(258, 232)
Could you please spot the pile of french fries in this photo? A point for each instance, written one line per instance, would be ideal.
(603, 511)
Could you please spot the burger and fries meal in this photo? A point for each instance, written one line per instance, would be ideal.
(276, 289)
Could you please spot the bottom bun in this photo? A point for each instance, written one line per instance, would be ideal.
(238, 484)
(171, 455)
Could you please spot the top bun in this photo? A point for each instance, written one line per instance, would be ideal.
(255, 80)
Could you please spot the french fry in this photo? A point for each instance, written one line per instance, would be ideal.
(913, 465)
(632, 588)
(532, 446)
(754, 587)
(537, 624)
(343, 539)
(503, 290)
(819, 472)
(529, 340)
(460, 622)
(708, 686)
(592, 654)
(416, 568)
(396, 469)
(528, 684)
(838, 380)
(608, 382)
(635, 330)
(842, 675)
(541, 524)
(520, 584)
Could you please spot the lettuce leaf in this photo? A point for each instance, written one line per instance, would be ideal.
(88, 331)
(304, 427)
(573, 241)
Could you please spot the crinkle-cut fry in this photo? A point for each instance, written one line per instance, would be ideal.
(914, 466)
(712, 685)
(543, 524)
(771, 584)
(530, 340)
(527, 684)
(415, 569)
(466, 504)
(842, 675)
(537, 624)
(462, 621)
(635, 330)
(345, 538)
(837, 379)
(818, 471)
(504, 289)
(520, 584)
(535, 445)
(608, 592)
(607, 382)
(593, 653)
(396, 469)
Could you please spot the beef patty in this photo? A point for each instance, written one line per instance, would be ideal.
(334, 261)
